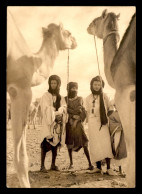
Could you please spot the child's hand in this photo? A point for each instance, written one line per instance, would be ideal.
(58, 118)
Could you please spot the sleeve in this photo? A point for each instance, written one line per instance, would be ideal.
(111, 119)
(87, 108)
(81, 101)
(63, 110)
(71, 111)
(63, 107)
(83, 111)
(111, 125)
(87, 105)
(114, 124)
(109, 106)
(47, 110)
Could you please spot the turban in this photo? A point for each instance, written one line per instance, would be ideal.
(71, 85)
(56, 91)
(103, 116)
(54, 77)
(97, 78)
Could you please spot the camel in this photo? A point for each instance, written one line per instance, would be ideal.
(8, 111)
(39, 116)
(32, 114)
(24, 70)
(120, 72)
(35, 115)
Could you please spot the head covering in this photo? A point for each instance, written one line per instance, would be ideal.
(54, 77)
(71, 85)
(97, 78)
(56, 91)
(103, 116)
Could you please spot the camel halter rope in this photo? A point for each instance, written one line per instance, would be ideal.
(98, 70)
(112, 32)
(98, 60)
(67, 74)
(67, 84)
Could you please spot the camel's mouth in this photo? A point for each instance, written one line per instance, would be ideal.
(74, 43)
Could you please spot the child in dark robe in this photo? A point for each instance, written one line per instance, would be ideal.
(75, 135)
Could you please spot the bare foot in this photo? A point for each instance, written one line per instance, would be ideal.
(70, 166)
(123, 174)
(53, 167)
(91, 167)
(43, 169)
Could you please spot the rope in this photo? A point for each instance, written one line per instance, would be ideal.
(99, 72)
(68, 68)
(97, 60)
(67, 73)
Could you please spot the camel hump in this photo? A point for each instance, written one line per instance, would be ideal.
(124, 62)
(16, 44)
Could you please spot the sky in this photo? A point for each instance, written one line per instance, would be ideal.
(83, 64)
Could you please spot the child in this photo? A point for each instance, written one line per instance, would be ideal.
(117, 138)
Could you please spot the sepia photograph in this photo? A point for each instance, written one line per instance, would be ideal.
(70, 101)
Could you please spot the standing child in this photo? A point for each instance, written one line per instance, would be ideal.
(98, 106)
(117, 138)
(53, 107)
(75, 134)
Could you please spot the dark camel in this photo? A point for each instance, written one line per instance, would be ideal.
(120, 71)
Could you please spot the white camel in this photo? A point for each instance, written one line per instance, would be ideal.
(25, 69)
(120, 71)
(39, 116)
(33, 109)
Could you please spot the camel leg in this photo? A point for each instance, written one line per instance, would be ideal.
(34, 123)
(34, 126)
(20, 102)
(40, 121)
(29, 121)
(125, 103)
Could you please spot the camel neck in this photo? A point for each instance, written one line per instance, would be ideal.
(46, 55)
(48, 51)
(110, 49)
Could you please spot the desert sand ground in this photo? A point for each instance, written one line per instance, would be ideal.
(78, 177)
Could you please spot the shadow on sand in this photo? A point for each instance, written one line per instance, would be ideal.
(68, 179)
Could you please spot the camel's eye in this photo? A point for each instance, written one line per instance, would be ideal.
(66, 33)
(94, 22)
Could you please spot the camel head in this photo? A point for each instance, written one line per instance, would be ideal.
(104, 24)
(64, 39)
